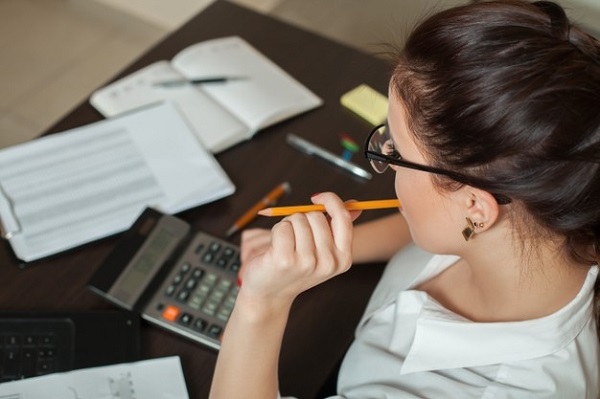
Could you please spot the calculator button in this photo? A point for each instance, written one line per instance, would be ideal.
(214, 331)
(235, 266)
(45, 366)
(224, 314)
(177, 279)
(211, 278)
(198, 273)
(28, 360)
(186, 319)
(230, 301)
(203, 289)
(11, 362)
(208, 257)
(47, 340)
(210, 307)
(195, 303)
(199, 325)
(224, 284)
(217, 295)
(183, 295)
(170, 290)
(171, 312)
(191, 283)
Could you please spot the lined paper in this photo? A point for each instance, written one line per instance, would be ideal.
(67, 189)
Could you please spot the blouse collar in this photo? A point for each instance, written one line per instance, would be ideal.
(444, 339)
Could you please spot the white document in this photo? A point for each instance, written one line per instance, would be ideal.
(67, 189)
(150, 379)
(221, 114)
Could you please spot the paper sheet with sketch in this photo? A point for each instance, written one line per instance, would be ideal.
(160, 378)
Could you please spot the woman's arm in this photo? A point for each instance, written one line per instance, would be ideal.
(380, 239)
(303, 250)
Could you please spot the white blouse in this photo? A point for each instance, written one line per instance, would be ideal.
(409, 346)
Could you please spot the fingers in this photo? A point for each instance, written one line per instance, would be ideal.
(283, 240)
(254, 242)
(303, 237)
(341, 220)
(300, 251)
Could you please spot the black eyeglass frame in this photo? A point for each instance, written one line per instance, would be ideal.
(459, 177)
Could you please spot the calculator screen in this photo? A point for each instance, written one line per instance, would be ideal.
(151, 257)
(161, 241)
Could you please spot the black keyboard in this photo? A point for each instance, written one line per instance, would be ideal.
(35, 346)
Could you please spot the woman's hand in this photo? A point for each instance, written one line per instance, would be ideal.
(300, 251)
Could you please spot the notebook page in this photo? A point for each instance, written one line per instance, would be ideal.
(71, 188)
(266, 94)
(214, 125)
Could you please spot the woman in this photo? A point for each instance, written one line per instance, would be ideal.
(493, 134)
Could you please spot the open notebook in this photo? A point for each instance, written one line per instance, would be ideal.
(66, 189)
(223, 114)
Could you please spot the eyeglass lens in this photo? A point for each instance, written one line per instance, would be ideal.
(381, 143)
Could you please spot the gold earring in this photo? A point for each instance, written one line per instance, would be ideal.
(469, 230)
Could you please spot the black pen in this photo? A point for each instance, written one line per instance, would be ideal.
(216, 79)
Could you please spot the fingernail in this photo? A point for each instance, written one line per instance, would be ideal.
(314, 195)
(238, 281)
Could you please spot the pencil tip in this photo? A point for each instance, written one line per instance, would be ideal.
(231, 231)
(264, 212)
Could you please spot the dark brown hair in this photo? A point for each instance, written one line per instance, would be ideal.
(509, 93)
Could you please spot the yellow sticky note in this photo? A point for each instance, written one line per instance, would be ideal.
(367, 103)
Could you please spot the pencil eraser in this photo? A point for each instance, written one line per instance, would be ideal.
(366, 102)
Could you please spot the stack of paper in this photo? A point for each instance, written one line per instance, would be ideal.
(70, 188)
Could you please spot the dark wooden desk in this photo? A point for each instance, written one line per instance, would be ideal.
(322, 321)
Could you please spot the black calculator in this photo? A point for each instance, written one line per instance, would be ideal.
(35, 343)
(31, 347)
(178, 279)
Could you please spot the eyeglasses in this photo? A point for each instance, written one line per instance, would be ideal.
(381, 152)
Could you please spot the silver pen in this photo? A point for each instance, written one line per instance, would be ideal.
(312, 149)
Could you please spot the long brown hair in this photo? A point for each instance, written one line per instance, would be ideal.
(509, 91)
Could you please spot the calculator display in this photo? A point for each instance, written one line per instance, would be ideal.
(152, 256)
(141, 269)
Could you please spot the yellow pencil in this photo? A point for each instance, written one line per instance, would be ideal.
(351, 206)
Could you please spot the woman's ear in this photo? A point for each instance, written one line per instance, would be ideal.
(481, 208)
